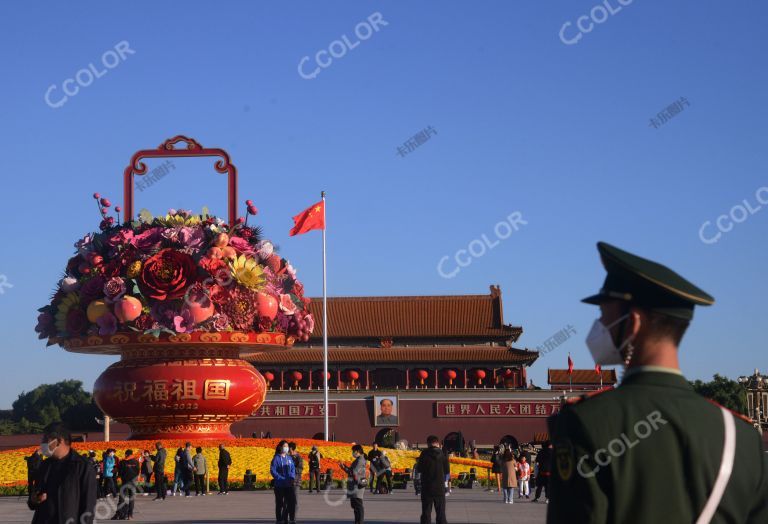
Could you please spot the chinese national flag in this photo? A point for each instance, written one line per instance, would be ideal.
(598, 369)
(311, 218)
(570, 365)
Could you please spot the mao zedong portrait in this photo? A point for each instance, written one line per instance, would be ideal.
(387, 413)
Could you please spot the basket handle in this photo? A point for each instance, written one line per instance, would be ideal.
(168, 149)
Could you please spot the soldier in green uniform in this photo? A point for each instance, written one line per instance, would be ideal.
(651, 450)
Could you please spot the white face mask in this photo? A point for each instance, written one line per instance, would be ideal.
(45, 449)
(285, 450)
(600, 343)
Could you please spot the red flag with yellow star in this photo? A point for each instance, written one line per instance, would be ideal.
(311, 218)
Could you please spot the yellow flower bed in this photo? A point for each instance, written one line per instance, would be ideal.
(253, 454)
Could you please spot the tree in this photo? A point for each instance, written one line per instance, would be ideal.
(726, 392)
(65, 401)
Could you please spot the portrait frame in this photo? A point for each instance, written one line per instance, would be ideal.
(379, 419)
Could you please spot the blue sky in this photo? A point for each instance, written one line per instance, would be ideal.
(524, 123)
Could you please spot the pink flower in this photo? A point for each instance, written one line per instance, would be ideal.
(220, 322)
(242, 246)
(107, 324)
(122, 237)
(183, 322)
(287, 305)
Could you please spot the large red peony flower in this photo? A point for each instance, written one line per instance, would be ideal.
(166, 275)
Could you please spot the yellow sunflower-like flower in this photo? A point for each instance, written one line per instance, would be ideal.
(71, 300)
(179, 220)
(134, 269)
(247, 272)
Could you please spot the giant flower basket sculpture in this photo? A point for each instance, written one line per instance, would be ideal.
(181, 298)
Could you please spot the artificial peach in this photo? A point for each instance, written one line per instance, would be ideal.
(127, 309)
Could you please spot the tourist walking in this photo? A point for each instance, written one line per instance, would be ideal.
(65, 486)
(110, 472)
(356, 482)
(199, 468)
(496, 459)
(187, 469)
(544, 471)
(433, 469)
(298, 463)
(178, 478)
(509, 476)
(128, 471)
(159, 470)
(384, 474)
(373, 457)
(225, 461)
(283, 471)
(146, 472)
(314, 468)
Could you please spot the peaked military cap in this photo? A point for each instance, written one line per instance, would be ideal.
(647, 284)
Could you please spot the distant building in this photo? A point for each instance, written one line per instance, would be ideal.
(580, 380)
(414, 365)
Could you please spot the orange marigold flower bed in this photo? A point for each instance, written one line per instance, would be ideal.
(247, 453)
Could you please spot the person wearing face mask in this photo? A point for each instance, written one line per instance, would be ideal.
(356, 482)
(283, 472)
(65, 490)
(610, 448)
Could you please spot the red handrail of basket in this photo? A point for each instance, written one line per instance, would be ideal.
(168, 149)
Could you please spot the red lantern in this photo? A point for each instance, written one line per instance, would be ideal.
(508, 372)
(450, 375)
(422, 374)
(479, 375)
(296, 376)
(269, 377)
(353, 375)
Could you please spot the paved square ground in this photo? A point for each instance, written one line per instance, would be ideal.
(464, 506)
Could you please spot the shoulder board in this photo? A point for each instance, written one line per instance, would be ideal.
(734, 413)
(586, 396)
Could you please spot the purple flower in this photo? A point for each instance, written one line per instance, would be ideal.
(107, 324)
(163, 313)
(114, 289)
(149, 239)
(183, 322)
(220, 322)
(85, 245)
(91, 290)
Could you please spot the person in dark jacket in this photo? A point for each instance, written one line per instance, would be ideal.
(128, 470)
(544, 463)
(356, 481)
(373, 457)
(433, 470)
(225, 461)
(187, 468)
(314, 468)
(33, 465)
(65, 488)
(159, 470)
(298, 463)
(283, 472)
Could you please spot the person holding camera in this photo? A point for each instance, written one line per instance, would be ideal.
(356, 482)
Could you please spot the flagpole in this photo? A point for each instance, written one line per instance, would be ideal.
(570, 374)
(325, 335)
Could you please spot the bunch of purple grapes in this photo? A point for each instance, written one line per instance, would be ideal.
(300, 326)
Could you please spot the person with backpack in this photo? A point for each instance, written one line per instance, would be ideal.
(314, 468)
(384, 474)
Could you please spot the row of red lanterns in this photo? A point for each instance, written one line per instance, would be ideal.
(423, 374)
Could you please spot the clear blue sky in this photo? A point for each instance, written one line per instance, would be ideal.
(560, 133)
